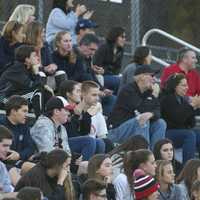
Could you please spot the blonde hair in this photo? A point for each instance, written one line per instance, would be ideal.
(69, 188)
(72, 56)
(160, 168)
(22, 12)
(8, 29)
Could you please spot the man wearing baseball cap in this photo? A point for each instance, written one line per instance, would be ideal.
(137, 110)
(49, 133)
(83, 27)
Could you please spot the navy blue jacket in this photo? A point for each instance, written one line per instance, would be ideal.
(6, 53)
(22, 141)
(73, 71)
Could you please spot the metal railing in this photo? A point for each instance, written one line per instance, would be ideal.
(169, 36)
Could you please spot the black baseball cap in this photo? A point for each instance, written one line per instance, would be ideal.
(145, 69)
(85, 23)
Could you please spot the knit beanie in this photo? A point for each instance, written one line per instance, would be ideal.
(144, 185)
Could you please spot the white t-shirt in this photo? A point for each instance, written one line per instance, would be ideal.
(98, 126)
(122, 188)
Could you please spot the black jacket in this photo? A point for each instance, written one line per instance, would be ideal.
(177, 112)
(6, 53)
(73, 71)
(104, 57)
(79, 125)
(130, 99)
(18, 80)
(37, 177)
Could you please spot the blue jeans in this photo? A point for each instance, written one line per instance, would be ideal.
(152, 132)
(112, 82)
(183, 138)
(107, 103)
(86, 146)
(157, 131)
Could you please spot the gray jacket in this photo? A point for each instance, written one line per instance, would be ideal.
(5, 182)
(44, 132)
(176, 192)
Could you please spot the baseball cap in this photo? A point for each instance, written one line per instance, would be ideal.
(145, 69)
(57, 102)
(85, 23)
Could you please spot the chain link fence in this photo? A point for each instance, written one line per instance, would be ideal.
(177, 17)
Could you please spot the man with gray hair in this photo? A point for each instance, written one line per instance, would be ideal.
(186, 64)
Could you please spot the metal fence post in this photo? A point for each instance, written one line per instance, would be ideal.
(40, 10)
(135, 24)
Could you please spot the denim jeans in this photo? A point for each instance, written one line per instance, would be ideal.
(86, 146)
(107, 103)
(183, 138)
(112, 82)
(152, 132)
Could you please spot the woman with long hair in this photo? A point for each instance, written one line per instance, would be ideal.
(12, 37)
(100, 168)
(109, 57)
(164, 150)
(65, 58)
(195, 191)
(23, 13)
(142, 159)
(35, 37)
(119, 156)
(189, 174)
(179, 113)
(51, 175)
(166, 178)
(63, 18)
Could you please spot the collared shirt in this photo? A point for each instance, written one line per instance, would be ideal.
(192, 76)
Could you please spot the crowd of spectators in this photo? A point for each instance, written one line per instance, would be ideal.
(99, 132)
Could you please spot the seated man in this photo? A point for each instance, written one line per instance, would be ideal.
(186, 65)
(94, 189)
(23, 78)
(23, 146)
(5, 143)
(85, 52)
(87, 118)
(137, 110)
(49, 133)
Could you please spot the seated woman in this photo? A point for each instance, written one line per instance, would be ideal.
(23, 13)
(188, 176)
(109, 57)
(178, 111)
(63, 18)
(65, 58)
(164, 150)
(12, 37)
(166, 178)
(142, 55)
(35, 37)
(51, 175)
(100, 168)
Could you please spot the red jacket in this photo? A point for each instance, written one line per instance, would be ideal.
(193, 78)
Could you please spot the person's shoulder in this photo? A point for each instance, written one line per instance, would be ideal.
(43, 121)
